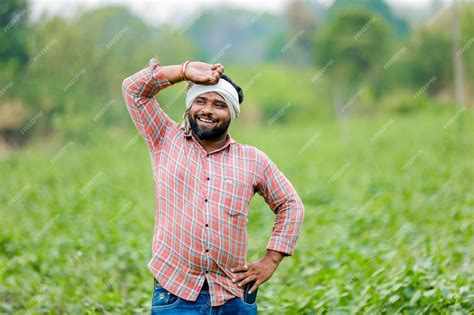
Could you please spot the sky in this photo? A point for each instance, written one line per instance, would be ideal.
(157, 12)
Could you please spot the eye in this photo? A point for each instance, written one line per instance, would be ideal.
(221, 105)
(199, 101)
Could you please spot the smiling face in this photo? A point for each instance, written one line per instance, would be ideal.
(209, 116)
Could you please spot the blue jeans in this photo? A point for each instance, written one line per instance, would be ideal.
(165, 302)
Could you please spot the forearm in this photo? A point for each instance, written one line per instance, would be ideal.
(172, 73)
(146, 83)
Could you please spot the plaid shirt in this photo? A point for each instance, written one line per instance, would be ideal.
(202, 198)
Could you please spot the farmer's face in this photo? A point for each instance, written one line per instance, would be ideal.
(209, 116)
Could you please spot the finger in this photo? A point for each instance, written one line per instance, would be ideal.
(216, 66)
(241, 276)
(240, 268)
(218, 72)
(210, 80)
(250, 278)
(255, 286)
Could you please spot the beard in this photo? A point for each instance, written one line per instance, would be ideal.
(208, 133)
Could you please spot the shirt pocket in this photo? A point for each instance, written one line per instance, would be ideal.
(235, 203)
(236, 197)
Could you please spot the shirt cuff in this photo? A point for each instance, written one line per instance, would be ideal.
(279, 244)
(159, 79)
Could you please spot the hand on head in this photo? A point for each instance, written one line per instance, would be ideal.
(204, 73)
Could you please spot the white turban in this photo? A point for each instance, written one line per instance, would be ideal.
(223, 88)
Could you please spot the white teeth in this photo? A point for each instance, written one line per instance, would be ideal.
(205, 119)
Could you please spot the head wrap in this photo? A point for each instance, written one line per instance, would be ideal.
(223, 88)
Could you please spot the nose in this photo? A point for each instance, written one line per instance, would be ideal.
(208, 108)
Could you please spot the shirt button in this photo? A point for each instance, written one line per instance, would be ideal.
(207, 225)
(207, 271)
(205, 200)
(207, 250)
(208, 178)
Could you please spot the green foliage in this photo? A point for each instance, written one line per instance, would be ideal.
(350, 40)
(13, 38)
(403, 102)
(280, 93)
(379, 7)
(232, 36)
(430, 54)
(467, 40)
(77, 66)
(386, 235)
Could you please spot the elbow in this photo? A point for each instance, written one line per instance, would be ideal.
(300, 207)
(125, 85)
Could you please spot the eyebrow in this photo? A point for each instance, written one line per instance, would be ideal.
(216, 101)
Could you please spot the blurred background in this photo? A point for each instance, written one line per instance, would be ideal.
(365, 105)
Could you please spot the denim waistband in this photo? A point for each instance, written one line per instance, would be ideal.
(205, 286)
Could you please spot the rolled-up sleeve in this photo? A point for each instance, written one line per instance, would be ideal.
(139, 92)
(284, 201)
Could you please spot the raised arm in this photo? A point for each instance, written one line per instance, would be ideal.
(139, 92)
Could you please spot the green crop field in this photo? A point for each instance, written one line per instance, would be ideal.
(389, 221)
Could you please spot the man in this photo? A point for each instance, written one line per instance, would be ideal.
(204, 181)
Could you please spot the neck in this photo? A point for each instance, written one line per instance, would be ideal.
(214, 144)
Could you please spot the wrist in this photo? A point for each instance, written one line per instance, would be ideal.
(171, 73)
(274, 256)
(182, 73)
